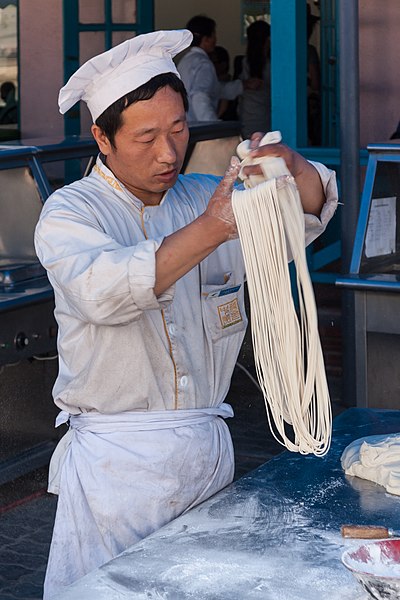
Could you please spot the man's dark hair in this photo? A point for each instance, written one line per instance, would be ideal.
(201, 26)
(110, 121)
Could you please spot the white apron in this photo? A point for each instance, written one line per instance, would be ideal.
(121, 477)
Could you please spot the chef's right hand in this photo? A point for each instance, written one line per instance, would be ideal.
(220, 205)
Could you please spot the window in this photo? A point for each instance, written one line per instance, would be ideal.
(93, 26)
(253, 10)
(8, 70)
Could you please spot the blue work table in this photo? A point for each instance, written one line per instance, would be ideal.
(274, 534)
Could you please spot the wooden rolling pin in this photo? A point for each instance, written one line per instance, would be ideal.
(367, 532)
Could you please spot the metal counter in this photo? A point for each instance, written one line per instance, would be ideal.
(272, 535)
(374, 282)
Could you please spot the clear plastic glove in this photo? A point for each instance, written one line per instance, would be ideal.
(271, 166)
(220, 205)
(262, 147)
(263, 158)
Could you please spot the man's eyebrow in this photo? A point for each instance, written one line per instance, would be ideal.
(148, 130)
(144, 131)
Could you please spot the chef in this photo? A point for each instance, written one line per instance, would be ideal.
(148, 280)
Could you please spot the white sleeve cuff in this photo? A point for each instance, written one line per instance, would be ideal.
(315, 226)
(142, 276)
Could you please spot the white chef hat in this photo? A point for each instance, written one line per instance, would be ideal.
(107, 77)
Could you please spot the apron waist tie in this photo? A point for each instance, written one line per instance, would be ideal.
(129, 421)
(142, 421)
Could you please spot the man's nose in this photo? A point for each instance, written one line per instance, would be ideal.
(166, 152)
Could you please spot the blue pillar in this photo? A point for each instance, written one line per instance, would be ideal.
(72, 123)
(145, 15)
(289, 70)
(349, 177)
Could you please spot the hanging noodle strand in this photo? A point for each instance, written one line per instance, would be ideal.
(287, 349)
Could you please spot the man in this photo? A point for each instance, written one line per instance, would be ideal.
(199, 75)
(148, 282)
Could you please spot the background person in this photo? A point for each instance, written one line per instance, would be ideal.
(255, 103)
(148, 281)
(199, 75)
(8, 112)
(227, 109)
(221, 61)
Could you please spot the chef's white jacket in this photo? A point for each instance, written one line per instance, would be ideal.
(120, 347)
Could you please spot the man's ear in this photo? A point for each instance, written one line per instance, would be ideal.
(102, 140)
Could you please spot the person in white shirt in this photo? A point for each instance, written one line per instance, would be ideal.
(199, 76)
(255, 103)
(148, 280)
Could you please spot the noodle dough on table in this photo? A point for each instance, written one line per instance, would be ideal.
(376, 458)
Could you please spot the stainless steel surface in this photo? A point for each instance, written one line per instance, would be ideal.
(15, 270)
(27, 325)
(392, 146)
(20, 206)
(272, 535)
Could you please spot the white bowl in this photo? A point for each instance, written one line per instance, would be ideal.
(376, 565)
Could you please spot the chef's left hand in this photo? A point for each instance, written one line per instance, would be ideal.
(306, 176)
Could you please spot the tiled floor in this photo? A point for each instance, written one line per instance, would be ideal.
(25, 533)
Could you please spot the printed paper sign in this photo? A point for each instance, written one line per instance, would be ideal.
(381, 230)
